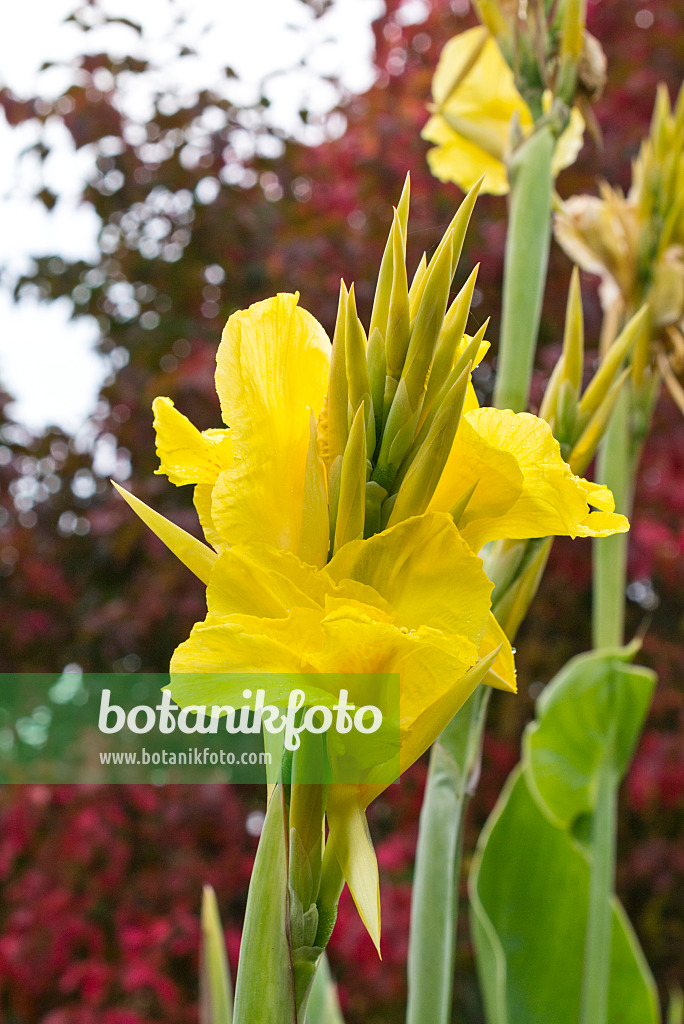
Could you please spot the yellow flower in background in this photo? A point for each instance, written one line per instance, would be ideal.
(475, 104)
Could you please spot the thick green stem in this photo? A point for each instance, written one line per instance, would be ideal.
(454, 766)
(597, 949)
(525, 267)
(615, 469)
(455, 757)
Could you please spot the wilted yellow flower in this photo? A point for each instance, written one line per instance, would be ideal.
(635, 243)
(476, 104)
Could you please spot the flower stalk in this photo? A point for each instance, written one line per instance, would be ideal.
(525, 268)
(597, 949)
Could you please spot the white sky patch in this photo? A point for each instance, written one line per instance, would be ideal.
(47, 361)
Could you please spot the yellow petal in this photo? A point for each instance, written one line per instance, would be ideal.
(433, 719)
(353, 847)
(425, 571)
(551, 501)
(201, 499)
(187, 456)
(260, 580)
(460, 161)
(471, 123)
(475, 461)
(192, 552)
(502, 673)
(315, 538)
(271, 371)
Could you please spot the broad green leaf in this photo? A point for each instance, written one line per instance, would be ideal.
(264, 991)
(563, 748)
(529, 891)
(216, 1002)
(323, 1007)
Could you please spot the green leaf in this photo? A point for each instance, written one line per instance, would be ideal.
(529, 891)
(216, 991)
(563, 748)
(265, 984)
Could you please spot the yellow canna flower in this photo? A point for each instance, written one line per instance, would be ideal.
(344, 504)
(476, 105)
(271, 376)
(519, 485)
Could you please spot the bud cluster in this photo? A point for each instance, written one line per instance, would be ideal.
(396, 393)
(579, 418)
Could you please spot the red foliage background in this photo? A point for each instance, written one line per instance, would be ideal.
(101, 886)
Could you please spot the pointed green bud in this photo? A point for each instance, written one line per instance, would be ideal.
(403, 208)
(573, 336)
(352, 501)
(396, 438)
(416, 289)
(453, 239)
(662, 113)
(391, 385)
(337, 399)
(491, 14)
(459, 224)
(470, 353)
(566, 413)
(547, 410)
(462, 503)
(270, 995)
(673, 219)
(450, 338)
(375, 356)
(421, 481)
(387, 509)
(502, 561)
(375, 496)
(334, 477)
(314, 540)
(467, 359)
(572, 33)
(600, 384)
(383, 289)
(398, 322)
(427, 324)
(678, 112)
(307, 809)
(641, 354)
(572, 361)
(355, 352)
(514, 604)
(585, 447)
(358, 379)
(571, 43)
(302, 892)
(216, 991)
